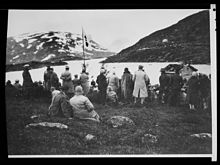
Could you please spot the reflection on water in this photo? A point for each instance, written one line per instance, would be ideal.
(152, 69)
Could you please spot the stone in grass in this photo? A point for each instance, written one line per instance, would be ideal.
(117, 121)
(89, 137)
(47, 124)
(202, 135)
(149, 138)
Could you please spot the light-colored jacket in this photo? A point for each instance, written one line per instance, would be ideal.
(82, 107)
(84, 79)
(113, 81)
(140, 79)
(66, 76)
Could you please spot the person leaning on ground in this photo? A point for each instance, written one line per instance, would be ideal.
(176, 83)
(84, 80)
(60, 106)
(82, 107)
(102, 86)
(141, 81)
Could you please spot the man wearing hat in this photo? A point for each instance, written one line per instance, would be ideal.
(164, 81)
(60, 106)
(141, 81)
(67, 80)
(27, 81)
(82, 106)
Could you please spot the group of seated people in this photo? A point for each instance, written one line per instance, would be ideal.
(78, 106)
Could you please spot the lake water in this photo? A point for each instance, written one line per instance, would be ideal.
(152, 69)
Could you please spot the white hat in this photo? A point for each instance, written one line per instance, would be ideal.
(78, 90)
(194, 73)
(26, 65)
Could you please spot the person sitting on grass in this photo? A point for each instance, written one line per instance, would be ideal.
(112, 97)
(82, 107)
(60, 106)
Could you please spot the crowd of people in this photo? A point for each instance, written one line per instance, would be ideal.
(74, 96)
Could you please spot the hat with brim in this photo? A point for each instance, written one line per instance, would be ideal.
(78, 90)
(26, 65)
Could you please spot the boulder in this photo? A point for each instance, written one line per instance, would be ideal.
(117, 121)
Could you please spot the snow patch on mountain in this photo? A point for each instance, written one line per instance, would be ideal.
(15, 57)
(49, 57)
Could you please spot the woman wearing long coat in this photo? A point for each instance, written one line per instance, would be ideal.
(141, 81)
(126, 85)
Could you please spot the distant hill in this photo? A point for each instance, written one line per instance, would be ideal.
(51, 46)
(188, 40)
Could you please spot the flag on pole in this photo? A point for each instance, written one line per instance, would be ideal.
(85, 38)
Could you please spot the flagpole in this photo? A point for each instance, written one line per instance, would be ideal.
(83, 48)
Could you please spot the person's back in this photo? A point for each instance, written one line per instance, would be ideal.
(113, 81)
(54, 80)
(60, 106)
(84, 78)
(102, 82)
(27, 80)
(17, 85)
(176, 82)
(164, 80)
(81, 102)
(66, 76)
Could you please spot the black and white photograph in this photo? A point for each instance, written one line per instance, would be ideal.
(111, 83)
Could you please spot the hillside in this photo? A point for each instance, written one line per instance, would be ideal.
(51, 46)
(187, 40)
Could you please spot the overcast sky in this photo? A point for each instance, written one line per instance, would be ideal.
(113, 29)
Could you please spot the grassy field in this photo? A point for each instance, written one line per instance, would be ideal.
(172, 126)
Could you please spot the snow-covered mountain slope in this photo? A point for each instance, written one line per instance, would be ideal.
(51, 46)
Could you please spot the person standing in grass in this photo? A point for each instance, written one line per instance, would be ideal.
(176, 83)
(47, 81)
(126, 85)
(67, 81)
(164, 81)
(141, 81)
(113, 81)
(84, 80)
(76, 81)
(27, 82)
(193, 91)
(54, 80)
(102, 86)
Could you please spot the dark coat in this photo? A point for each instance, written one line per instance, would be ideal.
(54, 80)
(27, 80)
(193, 90)
(164, 81)
(102, 82)
(176, 82)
